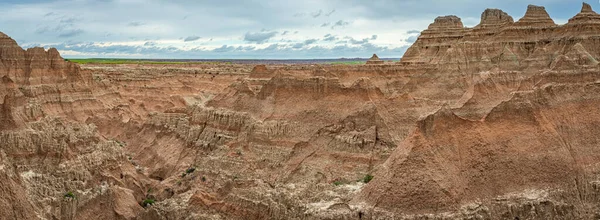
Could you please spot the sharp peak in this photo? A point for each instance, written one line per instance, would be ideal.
(586, 8)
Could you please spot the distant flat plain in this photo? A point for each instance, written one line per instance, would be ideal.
(346, 61)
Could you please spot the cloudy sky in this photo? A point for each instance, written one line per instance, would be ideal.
(248, 29)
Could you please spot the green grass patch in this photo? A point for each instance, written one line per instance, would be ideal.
(70, 195)
(147, 202)
(367, 178)
(132, 61)
(348, 63)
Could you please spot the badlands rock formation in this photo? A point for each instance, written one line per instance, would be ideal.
(375, 60)
(498, 121)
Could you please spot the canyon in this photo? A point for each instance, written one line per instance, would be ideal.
(497, 121)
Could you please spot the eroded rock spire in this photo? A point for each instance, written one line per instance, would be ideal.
(492, 18)
(443, 22)
(536, 16)
(587, 15)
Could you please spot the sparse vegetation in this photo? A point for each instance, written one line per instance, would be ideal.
(70, 195)
(190, 170)
(348, 62)
(203, 179)
(134, 61)
(183, 175)
(338, 183)
(367, 178)
(147, 202)
(121, 143)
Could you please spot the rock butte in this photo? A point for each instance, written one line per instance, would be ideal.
(499, 121)
(375, 60)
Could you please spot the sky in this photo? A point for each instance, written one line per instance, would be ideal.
(243, 29)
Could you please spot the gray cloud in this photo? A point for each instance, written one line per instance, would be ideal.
(364, 41)
(68, 20)
(329, 37)
(64, 29)
(340, 23)
(305, 43)
(191, 38)
(136, 24)
(325, 24)
(411, 39)
(354, 41)
(150, 43)
(316, 14)
(413, 32)
(259, 37)
(224, 49)
(70, 33)
(299, 15)
(277, 50)
(330, 13)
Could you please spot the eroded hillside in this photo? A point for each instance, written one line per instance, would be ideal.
(498, 121)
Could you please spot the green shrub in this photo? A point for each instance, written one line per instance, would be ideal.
(367, 178)
(147, 202)
(337, 183)
(190, 170)
(183, 175)
(69, 195)
(203, 179)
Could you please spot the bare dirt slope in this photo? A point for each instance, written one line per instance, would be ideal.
(499, 121)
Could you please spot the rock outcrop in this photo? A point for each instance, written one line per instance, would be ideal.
(494, 19)
(35, 66)
(535, 17)
(56, 166)
(498, 42)
(375, 60)
(587, 15)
